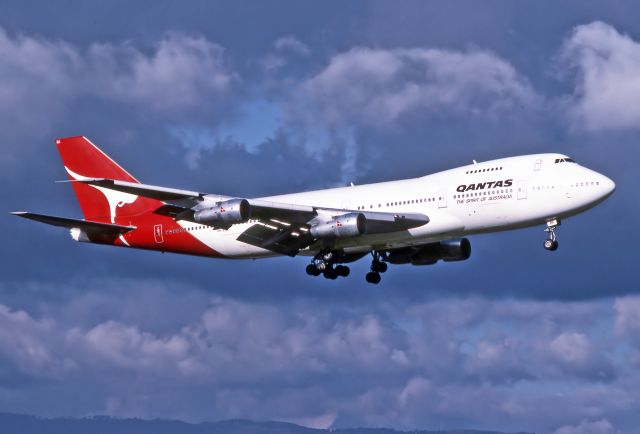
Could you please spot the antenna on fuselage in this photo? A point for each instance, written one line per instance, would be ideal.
(474, 162)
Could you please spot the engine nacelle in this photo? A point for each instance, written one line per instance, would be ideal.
(455, 250)
(227, 212)
(343, 226)
(451, 250)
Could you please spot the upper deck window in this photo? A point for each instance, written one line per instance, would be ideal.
(564, 160)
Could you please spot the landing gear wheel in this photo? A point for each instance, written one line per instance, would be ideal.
(551, 243)
(379, 267)
(373, 277)
(330, 274)
(312, 270)
(342, 270)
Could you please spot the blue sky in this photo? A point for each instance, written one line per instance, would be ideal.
(271, 97)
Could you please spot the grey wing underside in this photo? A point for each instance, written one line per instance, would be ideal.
(276, 238)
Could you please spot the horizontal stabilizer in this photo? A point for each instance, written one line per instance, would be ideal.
(69, 223)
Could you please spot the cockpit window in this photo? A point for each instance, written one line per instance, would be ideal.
(564, 160)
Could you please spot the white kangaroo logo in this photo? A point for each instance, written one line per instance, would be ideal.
(115, 198)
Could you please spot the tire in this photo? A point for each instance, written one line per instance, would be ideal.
(330, 274)
(343, 270)
(312, 270)
(373, 277)
(551, 245)
(382, 267)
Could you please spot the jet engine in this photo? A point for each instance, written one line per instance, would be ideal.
(343, 226)
(448, 251)
(227, 212)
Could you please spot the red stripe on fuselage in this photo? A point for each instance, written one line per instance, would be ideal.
(174, 239)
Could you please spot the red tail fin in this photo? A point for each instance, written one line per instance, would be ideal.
(83, 159)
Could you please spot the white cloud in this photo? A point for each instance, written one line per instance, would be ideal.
(41, 79)
(181, 73)
(125, 346)
(367, 90)
(627, 317)
(29, 345)
(602, 426)
(323, 421)
(284, 49)
(291, 43)
(607, 67)
(378, 87)
(472, 360)
(36, 80)
(571, 348)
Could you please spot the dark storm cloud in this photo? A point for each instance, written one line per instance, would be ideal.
(367, 94)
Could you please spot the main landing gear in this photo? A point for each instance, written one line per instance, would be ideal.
(551, 243)
(324, 263)
(327, 263)
(377, 267)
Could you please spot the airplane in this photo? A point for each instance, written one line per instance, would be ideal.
(415, 221)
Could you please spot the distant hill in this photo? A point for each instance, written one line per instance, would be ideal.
(23, 424)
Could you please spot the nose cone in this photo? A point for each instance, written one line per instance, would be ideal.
(607, 185)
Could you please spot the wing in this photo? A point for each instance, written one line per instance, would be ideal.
(164, 194)
(297, 228)
(284, 228)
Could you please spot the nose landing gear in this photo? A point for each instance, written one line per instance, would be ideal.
(551, 243)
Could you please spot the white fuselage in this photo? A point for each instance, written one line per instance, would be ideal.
(490, 196)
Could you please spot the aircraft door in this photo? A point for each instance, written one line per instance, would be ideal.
(442, 199)
(522, 190)
(157, 234)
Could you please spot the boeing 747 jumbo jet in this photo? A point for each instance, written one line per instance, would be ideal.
(413, 221)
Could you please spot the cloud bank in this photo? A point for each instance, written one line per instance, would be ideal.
(464, 361)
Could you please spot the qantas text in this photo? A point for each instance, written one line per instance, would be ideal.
(484, 185)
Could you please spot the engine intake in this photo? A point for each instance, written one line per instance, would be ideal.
(343, 226)
(227, 212)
